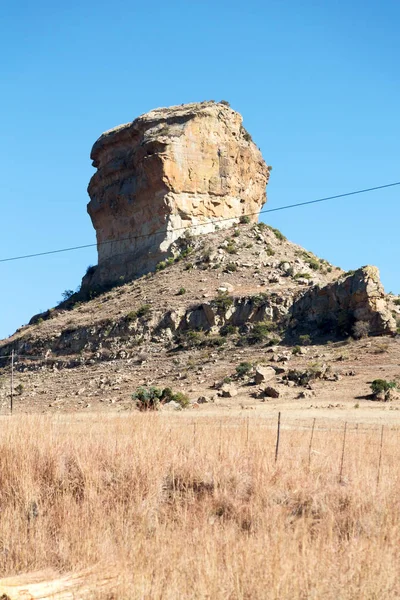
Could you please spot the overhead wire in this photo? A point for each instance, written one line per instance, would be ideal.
(193, 226)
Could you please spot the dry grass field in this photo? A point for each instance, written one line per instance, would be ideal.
(189, 506)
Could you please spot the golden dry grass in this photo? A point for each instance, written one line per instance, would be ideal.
(186, 508)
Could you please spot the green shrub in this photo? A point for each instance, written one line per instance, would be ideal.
(236, 233)
(150, 398)
(222, 301)
(181, 291)
(246, 135)
(276, 232)
(224, 102)
(296, 350)
(302, 276)
(243, 369)
(269, 251)
(189, 267)
(397, 301)
(244, 220)
(381, 385)
(186, 251)
(66, 295)
(147, 398)
(313, 264)
(260, 332)
(231, 247)
(143, 311)
(305, 340)
(161, 266)
(228, 329)
(259, 299)
(206, 255)
(231, 267)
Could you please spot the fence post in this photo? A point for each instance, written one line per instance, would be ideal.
(342, 459)
(380, 459)
(278, 432)
(310, 446)
(12, 382)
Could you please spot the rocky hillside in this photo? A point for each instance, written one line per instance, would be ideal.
(217, 288)
(243, 296)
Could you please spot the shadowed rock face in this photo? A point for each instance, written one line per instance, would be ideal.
(172, 168)
(338, 306)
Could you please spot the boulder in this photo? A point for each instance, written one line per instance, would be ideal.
(264, 374)
(172, 406)
(338, 306)
(228, 390)
(172, 168)
(271, 392)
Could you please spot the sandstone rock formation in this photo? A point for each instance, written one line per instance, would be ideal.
(337, 306)
(172, 168)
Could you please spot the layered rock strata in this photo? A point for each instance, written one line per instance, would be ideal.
(170, 169)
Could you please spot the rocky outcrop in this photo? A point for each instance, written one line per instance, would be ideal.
(337, 307)
(170, 169)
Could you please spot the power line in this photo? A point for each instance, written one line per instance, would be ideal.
(211, 222)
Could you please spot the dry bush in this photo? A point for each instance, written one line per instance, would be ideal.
(202, 511)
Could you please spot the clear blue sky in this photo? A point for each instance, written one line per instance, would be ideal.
(317, 83)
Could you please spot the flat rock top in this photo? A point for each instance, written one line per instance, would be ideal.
(177, 113)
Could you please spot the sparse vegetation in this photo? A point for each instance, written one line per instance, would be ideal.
(230, 267)
(150, 398)
(381, 385)
(361, 330)
(305, 339)
(67, 294)
(244, 220)
(181, 291)
(279, 236)
(260, 332)
(223, 301)
(228, 329)
(244, 369)
(231, 247)
(259, 299)
(142, 311)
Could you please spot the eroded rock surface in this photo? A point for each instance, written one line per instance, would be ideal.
(171, 168)
(359, 296)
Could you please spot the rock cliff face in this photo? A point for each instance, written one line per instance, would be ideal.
(170, 169)
(338, 306)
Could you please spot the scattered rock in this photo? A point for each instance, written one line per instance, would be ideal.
(228, 390)
(264, 374)
(202, 400)
(172, 405)
(271, 392)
